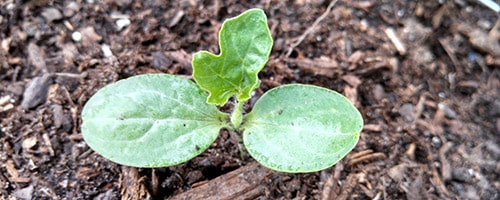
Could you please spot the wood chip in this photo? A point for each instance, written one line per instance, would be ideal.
(491, 61)
(352, 94)
(89, 36)
(445, 165)
(11, 169)
(347, 187)
(468, 84)
(319, 66)
(25, 193)
(495, 31)
(480, 39)
(58, 115)
(414, 34)
(410, 152)
(372, 127)
(177, 17)
(243, 183)
(36, 56)
(416, 189)
(331, 189)
(86, 173)
(48, 144)
(131, 184)
(397, 172)
(29, 142)
(6, 107)
(356, 57)
(5, 104)
(4, 100)
(36, 92)
(51, 14)
(14, 174)
(352, 80)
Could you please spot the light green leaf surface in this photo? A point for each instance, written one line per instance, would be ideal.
(301, 128)
(245, 44)
(152, 120)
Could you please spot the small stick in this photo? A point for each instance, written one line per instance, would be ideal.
(311, 28)
(449, 50)
(372, 156)
(71, 75)
(396, 41)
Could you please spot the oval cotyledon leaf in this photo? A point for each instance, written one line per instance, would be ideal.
(152, 120)
(301, 128)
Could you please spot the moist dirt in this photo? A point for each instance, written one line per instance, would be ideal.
(425, 76)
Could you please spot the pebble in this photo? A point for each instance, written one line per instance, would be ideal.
(51, 14)
(71, 9)
(10, 6)
(379, 92)
(448, 112)
(463, 174)
(25, 193)
(106, 50)
(364, 25)
(76, 36)
(122, 23)
(436, 141)
(407, 111)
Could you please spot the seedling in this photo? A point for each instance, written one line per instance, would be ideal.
(159, 120)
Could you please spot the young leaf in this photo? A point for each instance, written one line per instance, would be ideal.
(301, 128)
(245, 45)
(152, 120)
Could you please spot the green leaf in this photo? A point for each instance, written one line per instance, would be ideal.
(301, 128)
(152, 120)
(245, 45)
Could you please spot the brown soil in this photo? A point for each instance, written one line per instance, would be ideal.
(425, 76)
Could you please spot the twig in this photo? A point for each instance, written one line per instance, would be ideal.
(445, 165)
(311, 28)
(373, 156)
(449, 50)
(391, 34)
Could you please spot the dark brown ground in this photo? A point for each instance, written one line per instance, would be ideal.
(431, 106)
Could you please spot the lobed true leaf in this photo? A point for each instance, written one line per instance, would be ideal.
(245, 45)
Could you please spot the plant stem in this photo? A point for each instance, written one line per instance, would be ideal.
(243, 151)
(237, 115)
(236, 120)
